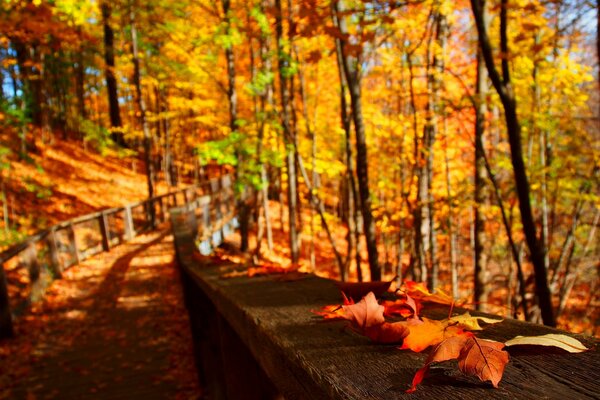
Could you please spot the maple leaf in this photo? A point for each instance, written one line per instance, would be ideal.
(478, 357)
(418, 291)
(428, 332)
(366, 318)
(357, 290)
(449, 349)
(366, 313)
(334, 312)
(403, 308)
(484, 359)
(564, 342)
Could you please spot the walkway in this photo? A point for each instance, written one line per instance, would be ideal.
(115, 327)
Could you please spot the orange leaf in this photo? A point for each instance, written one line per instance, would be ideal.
(418, 291)
(403, 308)
(449, 349)
(366, 313)
(483, 358)
(334, 312)
(387, 333)
(428, 333)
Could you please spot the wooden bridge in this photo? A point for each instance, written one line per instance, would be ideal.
(123, 332)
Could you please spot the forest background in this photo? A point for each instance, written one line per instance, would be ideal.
(450, 142)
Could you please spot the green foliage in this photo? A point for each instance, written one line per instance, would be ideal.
(14, 116)
(98, 136)
(4, 158)
(9, 236)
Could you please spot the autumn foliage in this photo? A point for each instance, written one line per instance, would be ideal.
(450, 143)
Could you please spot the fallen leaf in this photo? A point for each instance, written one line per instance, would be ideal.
(366, 313)
(564, 342)
(418, 291)
(449, 349)
(401, 307)
(387, 333)
(366, 318)
(484, 359)
(471, 323)
(357, 290)
(428, 332)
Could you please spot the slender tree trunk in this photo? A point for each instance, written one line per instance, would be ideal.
(139, 100)
(505, 91)
(352, 75)
(109, 73)
(243, 209)
(283, 65)
(80, 83)
(480, 273)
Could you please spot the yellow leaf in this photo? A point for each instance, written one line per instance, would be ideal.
(467, 321)
(552, 339)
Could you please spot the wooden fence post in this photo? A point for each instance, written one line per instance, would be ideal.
(6, 327)
(129, 228)
(73, 243)
(163, 214)
(54, 258)
(105, 231)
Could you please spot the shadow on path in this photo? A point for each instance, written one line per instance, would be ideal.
(115, 327)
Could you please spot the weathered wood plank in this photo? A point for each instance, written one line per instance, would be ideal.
(308, 359)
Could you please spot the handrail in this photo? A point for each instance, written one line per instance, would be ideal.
(48, 238)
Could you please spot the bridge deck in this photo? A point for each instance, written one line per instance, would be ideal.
(114, 327)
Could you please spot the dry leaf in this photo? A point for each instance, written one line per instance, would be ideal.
(564, 342)
(471, 323)
(418, 291)
(449, 349)
(366, 317)
(402, 308)
(366, 313)
(428, 332)
(484, 359)
(387, 333)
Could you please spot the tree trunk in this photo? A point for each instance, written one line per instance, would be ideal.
(109, 72)
(504, 88)
(139, 100)
(283, 65)
(352, 75)
(480, 274)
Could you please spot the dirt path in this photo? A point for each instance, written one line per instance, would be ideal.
(115, 327)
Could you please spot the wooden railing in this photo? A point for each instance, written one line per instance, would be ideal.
(43, 257)
(256, 338)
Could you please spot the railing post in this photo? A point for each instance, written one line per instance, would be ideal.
(129, 228)
(6, 327)
(105, 231)
(54, 259)
(163, 214)
(73, 243)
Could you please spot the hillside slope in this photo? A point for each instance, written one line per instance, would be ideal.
(63, 180)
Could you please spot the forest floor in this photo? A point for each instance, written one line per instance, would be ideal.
(63, 180)
(114, 327)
